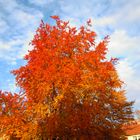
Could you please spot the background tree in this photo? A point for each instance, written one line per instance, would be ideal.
(70, 88)
(137, 115)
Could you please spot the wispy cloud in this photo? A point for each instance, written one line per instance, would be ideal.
(40, 2)
(15, 49)
(129, 75)
(122, 44)
(17, 28)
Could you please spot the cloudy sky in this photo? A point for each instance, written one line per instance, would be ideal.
(118, 18)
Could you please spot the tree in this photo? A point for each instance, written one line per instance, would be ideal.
(70, 90)
(137, 115)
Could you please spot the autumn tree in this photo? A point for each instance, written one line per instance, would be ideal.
(70, 90)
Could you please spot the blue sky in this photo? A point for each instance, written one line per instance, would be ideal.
(118, 18)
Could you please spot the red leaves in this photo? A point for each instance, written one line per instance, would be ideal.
(55, 17)
(66, 84)
(10, 104)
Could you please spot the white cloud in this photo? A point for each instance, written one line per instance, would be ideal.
(79, 10)
(4, 46)
(125, 70)
(121, 44)
(41, 2)
(128, 74)
(22, 23)
(127, 47)
(104, 21)
(15, 49)
(9, 5)
(26, 19)
(25, 46)
(6, 52)
(131, 11)
(3, 26)
(127, 12)
(112, 13)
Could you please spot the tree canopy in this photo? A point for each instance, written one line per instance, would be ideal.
(68, 89)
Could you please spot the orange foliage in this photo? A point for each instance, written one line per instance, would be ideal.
(70, 89)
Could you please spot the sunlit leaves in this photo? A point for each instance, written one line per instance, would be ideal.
(70, 88)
